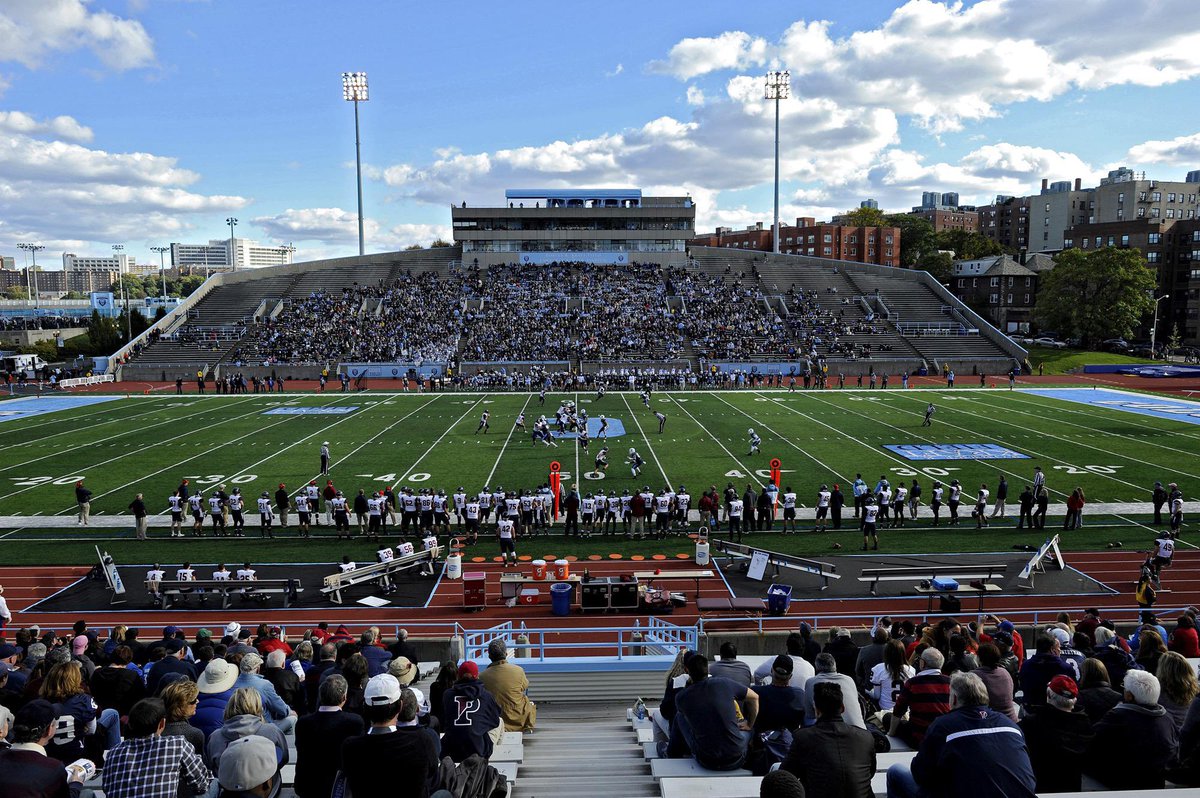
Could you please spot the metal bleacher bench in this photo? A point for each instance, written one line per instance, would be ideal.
(380, 572)
(202, 589)
(960, 573)
(740, 551)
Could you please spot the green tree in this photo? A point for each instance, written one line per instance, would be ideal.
(1096, 295)
(102, 333)
(939, 264)
(967, 245)
(916, 237)
(440, 243)
(412, 247)
(17, 292)
(134, 287)
(865, 217)
(187, 285)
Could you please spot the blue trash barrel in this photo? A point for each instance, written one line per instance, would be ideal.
(560, 598)
(779, 597)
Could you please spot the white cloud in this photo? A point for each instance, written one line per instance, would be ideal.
(1179, 151)
(67, 194)
(695, 95)
(617, 70)
(337, 229)
(63, 127)
(948, 63)
(31, 31)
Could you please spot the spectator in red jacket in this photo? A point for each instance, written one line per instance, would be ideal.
(272, 643)
(1184, 639)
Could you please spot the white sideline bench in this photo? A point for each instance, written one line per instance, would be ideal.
(381, 572)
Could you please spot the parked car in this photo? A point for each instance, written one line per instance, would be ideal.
(1050, 343)
(1115, 345)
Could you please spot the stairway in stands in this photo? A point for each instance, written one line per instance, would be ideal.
(585, 750)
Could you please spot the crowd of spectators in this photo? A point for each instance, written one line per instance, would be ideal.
(41, 322)
(176, 716)
(1085, 708)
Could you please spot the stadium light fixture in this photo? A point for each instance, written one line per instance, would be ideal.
(354, 89)
(31, 273)
(1154, 324)
(232, 222)
(162, 270)
(117, 250)
(778, 87)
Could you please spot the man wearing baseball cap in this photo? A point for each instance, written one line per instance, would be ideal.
(971, 750)
(249, 769)
(1057, 736)
(394, 738)
(471, 716)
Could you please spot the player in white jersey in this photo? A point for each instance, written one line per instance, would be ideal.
(185, 573)
(789, 509)
(247, 574)
(375, 515)
(341, 515)
(823, 497)
(935, 502)
(626, 510)
(601, 513)
(929, 411)
(473, 512)
(460, 504)
(222, 574)
(662, 514)
(237, 508)
(646, 398)
(347, 565)
(870, 514)
(898, 502)
(587, 512)
(981, 505)
(601, 466)
(196, 504)
(662, 420)
(736, 508)
(314, 500)
(506, 534)
(755, 442)
(216, 512)
(153, 579)
(683, 502)
(175, 503)
(883, 501)
(1176, 508)
(519, 424)
(484, 422)
(303, 514)
(603, 431)
(953, 501)
(542, 398)
(266, 515)
(484, 499)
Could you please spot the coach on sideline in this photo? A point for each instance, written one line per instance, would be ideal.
(83, 497)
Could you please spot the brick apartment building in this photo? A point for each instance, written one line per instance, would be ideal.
(949, 218)
(878, 245)
(1006, 221)
(1001, 288)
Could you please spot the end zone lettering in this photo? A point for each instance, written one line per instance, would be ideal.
(340, 410)
(954, 451)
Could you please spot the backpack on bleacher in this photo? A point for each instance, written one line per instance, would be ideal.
(473, 778)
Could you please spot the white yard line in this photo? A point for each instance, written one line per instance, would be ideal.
(135, 431)
(441, 437)
(748, 470)
(208, 451)
(786, 440)
(355, 450)
(1017, 447)
(643, 434)
(511, 430)
(84, 468)
(576, 476)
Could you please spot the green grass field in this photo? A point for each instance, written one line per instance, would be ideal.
(148, 444)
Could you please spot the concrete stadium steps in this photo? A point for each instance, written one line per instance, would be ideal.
(583, 750)
(603, 687)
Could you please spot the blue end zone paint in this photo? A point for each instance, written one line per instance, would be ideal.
(35, 406)
(1177, 409)
(341, 410)
(954, 451)
(615, 429)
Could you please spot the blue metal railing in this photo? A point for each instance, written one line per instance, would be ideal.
(656, 638)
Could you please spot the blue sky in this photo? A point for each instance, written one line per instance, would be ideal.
(143, 122)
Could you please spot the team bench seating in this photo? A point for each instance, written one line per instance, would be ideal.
(960, 573)
(225, 588)
(380, 572)
(743, 552)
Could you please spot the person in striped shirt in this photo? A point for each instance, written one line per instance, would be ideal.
(925, 697)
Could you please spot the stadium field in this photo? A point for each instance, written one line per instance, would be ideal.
(1112, 444)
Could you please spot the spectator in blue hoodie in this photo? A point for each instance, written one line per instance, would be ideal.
(1039, 669)
(471, 716)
